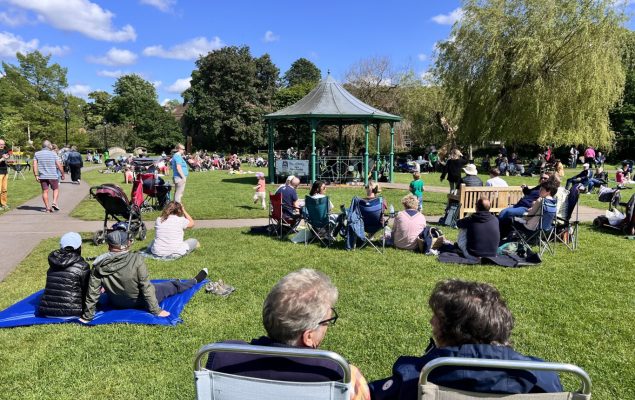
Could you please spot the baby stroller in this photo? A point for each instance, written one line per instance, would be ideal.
(117, 206)
(626, 224)
(150, 192)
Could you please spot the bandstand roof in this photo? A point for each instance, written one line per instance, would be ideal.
(331, 102)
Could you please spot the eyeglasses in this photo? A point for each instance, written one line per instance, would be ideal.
(332, 320)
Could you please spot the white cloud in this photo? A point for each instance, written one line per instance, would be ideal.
(111, 74)
(180, 85)
(156, 84)
(79, 90)
(114, 57)
(422, 57)
(162, 5)
(13, 17)
(449, 19)
(189, 50)
(427, 78)
(270, 37)
(55, 50)
(80, 16)
(313, 55)
(11, 44)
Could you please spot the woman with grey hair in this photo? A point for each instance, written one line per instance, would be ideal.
(408, 224)
(296, 313)
(469, 319)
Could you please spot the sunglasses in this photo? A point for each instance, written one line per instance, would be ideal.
(332, 320)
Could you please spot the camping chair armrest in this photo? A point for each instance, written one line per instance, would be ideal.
(272, 351)
(585, 380)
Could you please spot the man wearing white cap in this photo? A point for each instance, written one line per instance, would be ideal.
(470, 178)
(583, 177)
(66, 279)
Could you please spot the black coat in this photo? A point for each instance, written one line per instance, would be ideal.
(453, 169)
(66, 283)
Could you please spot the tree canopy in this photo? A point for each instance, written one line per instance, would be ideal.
(230, 91)
(302, 71)
(534, 71)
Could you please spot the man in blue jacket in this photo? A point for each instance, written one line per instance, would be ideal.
(469, 319)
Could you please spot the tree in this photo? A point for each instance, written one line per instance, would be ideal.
(534, 71)
(135, 105)
(302, 71)
(230, 91)
(95, 112)
(623, 115)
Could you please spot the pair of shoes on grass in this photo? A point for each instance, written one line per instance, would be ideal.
(219, 288)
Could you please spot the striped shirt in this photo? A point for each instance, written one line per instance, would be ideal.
(46, 164)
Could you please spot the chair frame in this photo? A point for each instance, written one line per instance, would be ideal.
(200, 372)
(325, 238)
(281, 223)
(384, 223)
(585, 380)
(543, 236)
(560, 223)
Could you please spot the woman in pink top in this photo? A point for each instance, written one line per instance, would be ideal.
(408, 224)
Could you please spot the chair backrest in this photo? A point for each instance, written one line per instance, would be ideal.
(372, 212)
(548, 213)
(223, 386)
(275, 200)
(316, 211)
(572, 200)
(429, 391)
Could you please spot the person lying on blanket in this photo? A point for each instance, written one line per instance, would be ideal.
(124, 277)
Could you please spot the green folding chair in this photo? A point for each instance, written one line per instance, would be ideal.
(316, 220)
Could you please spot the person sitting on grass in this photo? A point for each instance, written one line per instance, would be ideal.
(296, 313)
(66, 279)
(469, 319)
(583, 177)
(123, 276)
(479, 233)
(408, 224)
(169, 229)
(416, 188)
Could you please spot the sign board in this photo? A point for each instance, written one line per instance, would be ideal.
(292, 167)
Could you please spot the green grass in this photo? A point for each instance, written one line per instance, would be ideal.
(575, 307)
(217, 194)
(21, 190)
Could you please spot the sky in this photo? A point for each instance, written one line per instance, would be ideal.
(160, 40)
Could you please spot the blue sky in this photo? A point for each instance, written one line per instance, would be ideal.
(160, 39)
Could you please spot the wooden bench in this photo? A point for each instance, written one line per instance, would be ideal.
(499, 197)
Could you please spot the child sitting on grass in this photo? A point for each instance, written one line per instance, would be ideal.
(260, 188)
(416, 188)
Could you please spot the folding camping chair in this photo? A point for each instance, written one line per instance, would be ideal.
(543, 235)
(430, 391)
(316, 219)
(372, 213)
(213, 385)
(279, 222)
(566, 229)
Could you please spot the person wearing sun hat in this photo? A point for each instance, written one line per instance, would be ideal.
(470, 178)
(66, 279)
(123, 275)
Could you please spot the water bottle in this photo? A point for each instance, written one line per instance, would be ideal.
(392, 211)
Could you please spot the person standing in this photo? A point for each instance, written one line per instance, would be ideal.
(46, 165)
(179, 166)
(4, 177)
(75, 164)
(452, 170)
(589, 156)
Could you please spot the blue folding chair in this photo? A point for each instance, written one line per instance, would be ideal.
(372, 213)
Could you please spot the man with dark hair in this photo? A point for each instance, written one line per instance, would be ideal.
(469, 319)
(123, 275)
(479, 233)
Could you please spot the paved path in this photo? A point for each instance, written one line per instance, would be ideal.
(25, 226)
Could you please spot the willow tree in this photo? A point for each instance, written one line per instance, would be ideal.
(534, 71)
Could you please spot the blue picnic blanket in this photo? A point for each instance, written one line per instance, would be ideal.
(22, 313)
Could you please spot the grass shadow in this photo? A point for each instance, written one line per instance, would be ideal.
(245, 180)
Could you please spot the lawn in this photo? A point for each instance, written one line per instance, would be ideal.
(21, 190)
(218, 194)
(575, 307)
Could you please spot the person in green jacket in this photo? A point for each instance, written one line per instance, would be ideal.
(416, 188)
(123, 275)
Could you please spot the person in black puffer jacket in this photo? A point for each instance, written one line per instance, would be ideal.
(66, 280)
(470, 178)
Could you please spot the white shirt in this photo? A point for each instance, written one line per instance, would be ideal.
(497, 182)
(169, 236)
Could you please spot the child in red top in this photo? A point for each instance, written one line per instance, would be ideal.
(260, 189)
(619, 177)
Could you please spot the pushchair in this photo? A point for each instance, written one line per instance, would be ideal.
(142, 165)
(625, 225)
(150, 192)
(117, 206)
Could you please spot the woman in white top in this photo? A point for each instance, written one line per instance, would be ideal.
(169, 229)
